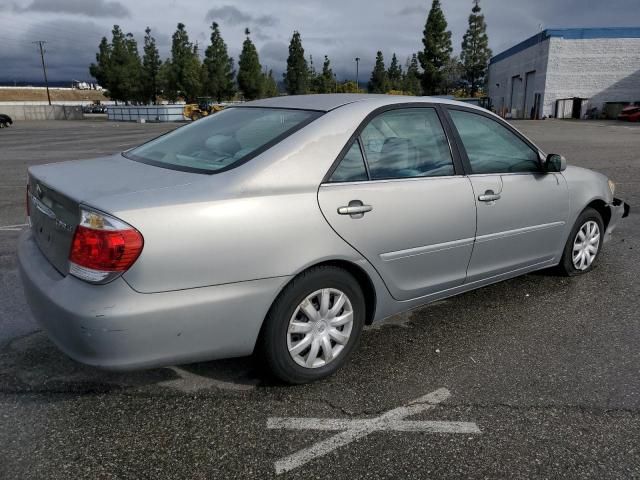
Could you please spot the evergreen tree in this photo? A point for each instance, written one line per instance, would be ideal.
(133, 69)
(119, 68)
(411, 80)
(101, 70)
(218, 68)
(270, 85)
(250, 76)
(184, 72)
(453, 73)
(394, 74)
(437, 50)
(150, 68)
(313, 79)
(379, 82)
(326, 80)
(164, 77)
(475, 49)
(296, 78)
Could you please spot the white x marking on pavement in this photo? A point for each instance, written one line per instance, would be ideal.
(12, 228)
(352, 430)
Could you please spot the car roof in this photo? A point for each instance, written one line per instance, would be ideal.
(325, 102)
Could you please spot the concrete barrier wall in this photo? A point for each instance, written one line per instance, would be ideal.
(42, 112)
(55, 102)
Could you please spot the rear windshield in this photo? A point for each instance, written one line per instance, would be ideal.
(223, 140)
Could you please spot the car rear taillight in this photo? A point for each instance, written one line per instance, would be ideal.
(103, 247)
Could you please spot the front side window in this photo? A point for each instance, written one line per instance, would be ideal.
(404, 143)
(491, 147)
(218, 142)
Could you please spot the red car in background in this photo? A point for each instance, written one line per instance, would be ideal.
(630, 114)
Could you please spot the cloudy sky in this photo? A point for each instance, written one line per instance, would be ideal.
(341, 29)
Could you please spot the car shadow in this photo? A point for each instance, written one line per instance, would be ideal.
(33, 364)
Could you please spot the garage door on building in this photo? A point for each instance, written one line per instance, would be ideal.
(516, 96)
(529, 95)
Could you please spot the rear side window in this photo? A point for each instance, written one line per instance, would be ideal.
(223, 140)
(491, 147)
(406, 143)
(351, 167)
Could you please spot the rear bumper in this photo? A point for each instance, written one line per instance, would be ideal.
(619, 210)
(112, 326)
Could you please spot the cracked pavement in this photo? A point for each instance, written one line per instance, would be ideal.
(547, 367)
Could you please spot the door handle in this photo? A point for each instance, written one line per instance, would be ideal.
(355, 208)
(489, 196)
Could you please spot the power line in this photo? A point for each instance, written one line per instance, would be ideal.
(44, 68)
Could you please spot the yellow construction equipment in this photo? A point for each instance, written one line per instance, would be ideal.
(205, 106)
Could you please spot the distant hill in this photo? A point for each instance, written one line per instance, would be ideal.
(36, 83)
(25, 94)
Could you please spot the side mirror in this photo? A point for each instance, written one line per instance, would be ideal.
(555, 163)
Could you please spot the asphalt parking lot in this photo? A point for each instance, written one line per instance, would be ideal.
(538, 376)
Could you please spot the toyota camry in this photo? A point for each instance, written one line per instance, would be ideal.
(281, 227)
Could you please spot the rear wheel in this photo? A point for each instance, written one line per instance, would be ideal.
(313, 326)
(584, 244)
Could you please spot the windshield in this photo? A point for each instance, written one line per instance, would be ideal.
(223, 140)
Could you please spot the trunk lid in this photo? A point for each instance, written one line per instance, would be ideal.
(56, 192)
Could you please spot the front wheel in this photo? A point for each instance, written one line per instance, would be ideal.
(584, 244)
(313, 326)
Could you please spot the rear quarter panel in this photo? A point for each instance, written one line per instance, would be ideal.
(259, 220)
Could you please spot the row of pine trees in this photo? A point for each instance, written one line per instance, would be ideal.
(129, 77)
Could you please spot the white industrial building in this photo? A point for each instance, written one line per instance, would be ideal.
(567, 72)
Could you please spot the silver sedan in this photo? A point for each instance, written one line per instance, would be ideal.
(281, 227)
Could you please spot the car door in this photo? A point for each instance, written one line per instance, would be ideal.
(394, 195)
(521, 210)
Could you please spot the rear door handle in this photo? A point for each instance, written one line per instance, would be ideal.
(489, 196)
(355, 208)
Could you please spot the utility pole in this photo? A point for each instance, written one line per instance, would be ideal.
(44, 68)
(357, 65)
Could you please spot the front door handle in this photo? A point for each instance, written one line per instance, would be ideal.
(489, 196)
(355, 208)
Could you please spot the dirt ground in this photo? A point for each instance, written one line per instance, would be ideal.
(40, 94)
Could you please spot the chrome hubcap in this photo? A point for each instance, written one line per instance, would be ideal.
(585, 245)
(320, 328)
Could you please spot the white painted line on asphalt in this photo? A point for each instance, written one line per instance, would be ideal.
(393, 420)
(190, 382)
(430, 426)
(12, 228)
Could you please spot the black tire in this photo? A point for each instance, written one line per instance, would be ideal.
(566, 266)
(272, 351)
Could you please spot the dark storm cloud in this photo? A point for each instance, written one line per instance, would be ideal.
(266, 21)
(324, 40)
(229, 14)
(337, 28)
(66, 58)
(234, 16)
(93, 8)
(411, 10)
(5, 7)
(273, 53)
(259, 35)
